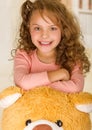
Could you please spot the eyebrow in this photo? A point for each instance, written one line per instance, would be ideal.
(35, 24)
(40, 25)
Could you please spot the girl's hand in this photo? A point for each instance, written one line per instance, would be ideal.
(57, 75)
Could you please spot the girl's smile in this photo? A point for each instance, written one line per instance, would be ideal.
(45, 43)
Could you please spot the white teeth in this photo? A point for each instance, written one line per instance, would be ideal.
(45, 43)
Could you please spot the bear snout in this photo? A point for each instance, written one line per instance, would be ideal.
(42, 127)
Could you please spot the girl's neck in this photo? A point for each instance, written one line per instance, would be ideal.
(46, 57)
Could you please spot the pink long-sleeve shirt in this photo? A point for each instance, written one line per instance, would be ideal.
(30, 72)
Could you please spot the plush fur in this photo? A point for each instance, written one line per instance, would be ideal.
(44, 108)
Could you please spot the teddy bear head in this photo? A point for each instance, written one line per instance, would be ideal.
(44, 108)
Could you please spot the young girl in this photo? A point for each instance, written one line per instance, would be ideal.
(50, 51)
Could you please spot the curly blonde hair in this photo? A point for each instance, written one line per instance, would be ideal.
(70, 50)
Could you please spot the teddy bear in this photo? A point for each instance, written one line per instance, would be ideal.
(44, 108)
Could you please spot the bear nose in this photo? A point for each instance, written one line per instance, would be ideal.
(42, 127)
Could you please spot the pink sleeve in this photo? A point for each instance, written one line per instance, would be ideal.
(75, 84)
(22, 75)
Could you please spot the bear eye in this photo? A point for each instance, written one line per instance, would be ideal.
(59, 123)
(28, 122)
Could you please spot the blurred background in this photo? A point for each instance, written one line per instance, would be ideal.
(10, 21)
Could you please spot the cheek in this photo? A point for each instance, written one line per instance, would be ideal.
(33, 35)
(58, 36)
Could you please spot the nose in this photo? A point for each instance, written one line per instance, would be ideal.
(45, 34)
(42, 127)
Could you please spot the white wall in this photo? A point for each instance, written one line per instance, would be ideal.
(8, 19)
(9, 22)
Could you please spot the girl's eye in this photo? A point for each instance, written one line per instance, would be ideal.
(36, 28)
(53, 28)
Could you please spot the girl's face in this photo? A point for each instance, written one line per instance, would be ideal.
(45, 34)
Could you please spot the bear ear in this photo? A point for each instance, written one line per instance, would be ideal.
(9, 100)
(10, 95)
(87, 108)
(82, 101)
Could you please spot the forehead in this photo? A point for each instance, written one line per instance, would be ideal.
(46, 15)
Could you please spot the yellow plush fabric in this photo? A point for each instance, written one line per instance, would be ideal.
(48, 104)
